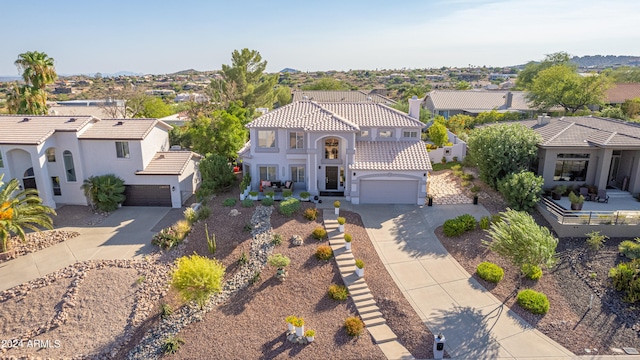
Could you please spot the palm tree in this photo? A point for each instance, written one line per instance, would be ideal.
(105, 192)
(24, 99)
(21, 209)
(38, 69)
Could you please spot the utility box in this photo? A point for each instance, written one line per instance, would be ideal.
(438, 346)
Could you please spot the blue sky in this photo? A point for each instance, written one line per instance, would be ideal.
(168, 36)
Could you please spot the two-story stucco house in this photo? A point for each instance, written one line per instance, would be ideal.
(367, 151)
(55, 154)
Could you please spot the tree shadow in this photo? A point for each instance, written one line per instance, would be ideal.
(326, 303)
(237, 303)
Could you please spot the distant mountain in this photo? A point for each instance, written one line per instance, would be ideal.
(106, 75)
(9, 78)
(604, 61)
(186, 72)
(289, 70)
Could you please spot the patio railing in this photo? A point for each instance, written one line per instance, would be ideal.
(571, 217)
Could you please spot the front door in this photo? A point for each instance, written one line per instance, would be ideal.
(613, 170)
(331, 174)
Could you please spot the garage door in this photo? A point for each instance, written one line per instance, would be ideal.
(388, 192)
(147, 195)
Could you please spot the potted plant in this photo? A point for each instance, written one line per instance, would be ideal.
(290, 319)
(299, 324)
(359, 267)
(253, 195)
(279, 261)
(242, 196)
(347, 241)
(270, 194)
(304, 196)
(558, 191)
(576, 201)
(341, 222)
(286, 194)
(310, 335)
(336, 205)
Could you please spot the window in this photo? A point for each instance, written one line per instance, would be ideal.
(296, 140)
(364, 133)
(266, 138)
(571, 167)
(331, 149)
(268, 173)
(51, 155)
(410, 134)
(55, 182)
(122, 149)
(1, 162)
(297, 174)
(385, 133)
(69, 169)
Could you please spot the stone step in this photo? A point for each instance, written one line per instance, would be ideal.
(363, 310)
(346, 269)
(374, 321)
(362, 297)
(371, 315)
(337, 248)
(357, 292)
(345, 256)
(381, 334)
(364, 303)
(394, 350)
(336, 242)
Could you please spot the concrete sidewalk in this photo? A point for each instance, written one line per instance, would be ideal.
(475, 323)
(125, 234)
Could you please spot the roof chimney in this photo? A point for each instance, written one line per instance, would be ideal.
(414, 107)
(543, 119)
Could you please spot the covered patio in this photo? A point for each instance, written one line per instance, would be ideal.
(618, 200)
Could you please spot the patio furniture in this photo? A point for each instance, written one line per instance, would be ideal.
(602, 196)
(276, 186)
(584, 191)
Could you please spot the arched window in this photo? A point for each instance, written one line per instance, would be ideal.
(69, 168)
(28, 173)
(331, 149)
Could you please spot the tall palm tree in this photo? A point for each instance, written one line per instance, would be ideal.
(21, 209)
(24, 99)
(38, 69)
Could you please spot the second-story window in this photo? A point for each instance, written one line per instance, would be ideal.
(364, 133)
(296, 140)
(51, 155)
(332, 149)
(266, 138)
(385, 133)
(410, 134)
(122, 149)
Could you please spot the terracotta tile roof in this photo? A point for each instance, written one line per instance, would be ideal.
(584, 131)
(168, 163)
(391, 156)
(15, 130)
(312, 116)
(122, 129)
(619, 93)
(340, 96)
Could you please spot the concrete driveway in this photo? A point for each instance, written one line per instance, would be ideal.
(125, 234)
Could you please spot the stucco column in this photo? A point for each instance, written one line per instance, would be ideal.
(312, 162)
(602, 173)
(43, 180)
(351, 153)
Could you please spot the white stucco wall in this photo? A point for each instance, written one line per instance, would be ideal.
(156, 140)
(100, 158)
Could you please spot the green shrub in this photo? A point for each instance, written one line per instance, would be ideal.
(496, 218)
(348, 237)
(595, 240)
(105, 192)
(310, 214)
(190, 215)
(342, 220)
(354, 326)
(211, 240)
(453, 227)
(456, 167)
(288, 207)
(217, 174)
(171, 345)
(166, 238)
(276, 239)
(287, 193)
(490, 272)
(626, 277)
(255, 278)
(243, 258)
(630, 249)
(319, 233)
(324, 252)
(522, 190)
(267, 201)
(166, 310)
(468, 221)
(204, 212)
(336, 204)
(229, 202)
(533, 301)
(338, 292)
(305, 195)
(279, 261)
(475, 189)
(485, 221)
(182, 228)
(468, 177)
(247, 203)
(532, 272)
(197, 277)
(360, 263)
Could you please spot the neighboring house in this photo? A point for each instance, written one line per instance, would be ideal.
(588, 150)
(180, 119)
(367, 151)
(341, 96)
(55, 154)
(620, 93)
(472, 102)
(101, 109)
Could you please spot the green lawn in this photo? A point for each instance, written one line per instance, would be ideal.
(446, 166)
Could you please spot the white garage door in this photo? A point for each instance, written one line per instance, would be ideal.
(388, 191)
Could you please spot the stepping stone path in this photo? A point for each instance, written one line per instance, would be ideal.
(360, 293)
(444, 190)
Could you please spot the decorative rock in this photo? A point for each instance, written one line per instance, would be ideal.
(297, 240)
(234, 212)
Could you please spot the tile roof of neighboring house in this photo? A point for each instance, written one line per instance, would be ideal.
(619, 93)
(312, 116)
(478, 101)
(391, 155)
(122, 129)
(34, 131)
(245, 151)
(168, 163)
(95, 111)
(340, 96)
(584, 131)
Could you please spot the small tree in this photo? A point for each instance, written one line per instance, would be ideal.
(197, 277)
(105, 192)
(521, 190)
(502, 149)
(519, 239)
(438, 134)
